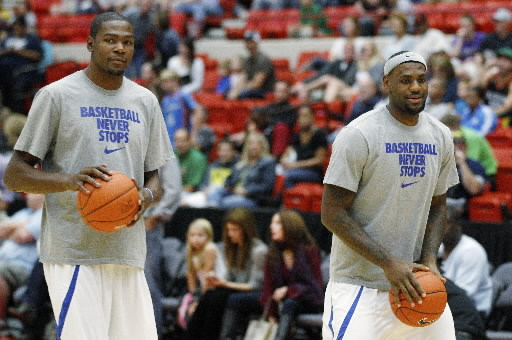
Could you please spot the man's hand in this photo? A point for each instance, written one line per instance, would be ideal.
(400, 274)
(87, 175)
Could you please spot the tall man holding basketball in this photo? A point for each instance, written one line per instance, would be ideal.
(78, 129)
(385, 202)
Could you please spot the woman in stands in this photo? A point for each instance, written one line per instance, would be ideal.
(253, 177)
(292, 282)
(188, 66)
(304, 158)
(244, 254)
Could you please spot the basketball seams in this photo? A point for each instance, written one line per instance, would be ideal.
(124, 216)
(107, 203)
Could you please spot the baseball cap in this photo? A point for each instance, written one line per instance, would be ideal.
(502, 14)
(252, 36)
(505, 52)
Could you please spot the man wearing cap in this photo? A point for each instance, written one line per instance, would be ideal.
(258, 71)
(501, 37)
(385, 202)
(497, 83)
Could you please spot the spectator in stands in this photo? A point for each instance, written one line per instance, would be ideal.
(435, 105)
(155, 220)
(100, 6)
(188, 66)
(477, 147)
(253, 177)
(167, 39)
(202, 135)
(203, 260)
(142, 17)
(467, 40)
(277, 120)
(244, 254)
(224, 83)
(193, 163)
(23, 9)
(20, 53)
(370, 12)
(335, 79)
(501, 37)
(292, 282)
(215, 179)
(274, 4)
(149, 76)
(428, 40)
(178, 107)
(199, 10)
(349, 30)
(368, 96)
(369, 60)
(18, 251)
(471, 174)
(258, 71)
(401, 41)
(440, 66)
(312, 22)
(304, 158)
(464, 261)
(474, 113)
(237, 77)
(468, 321)
(497, 83)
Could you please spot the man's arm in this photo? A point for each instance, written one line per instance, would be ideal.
(21, 176)
(436, 224)
(336, 202)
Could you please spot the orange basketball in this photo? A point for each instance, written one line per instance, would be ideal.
(112, 205)
(433, 304)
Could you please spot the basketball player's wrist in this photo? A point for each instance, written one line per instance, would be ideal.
(149, 197)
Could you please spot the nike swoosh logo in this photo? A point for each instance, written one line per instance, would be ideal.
(108, 151)
(405, 185)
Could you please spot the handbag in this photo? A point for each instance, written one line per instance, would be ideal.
(262, 329)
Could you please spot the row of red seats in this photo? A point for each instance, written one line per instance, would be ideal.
(273, 24)
(496, 206)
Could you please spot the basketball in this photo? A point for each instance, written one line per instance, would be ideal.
(433, 304)
(112, 205)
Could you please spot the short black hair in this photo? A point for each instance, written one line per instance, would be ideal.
(104, 17)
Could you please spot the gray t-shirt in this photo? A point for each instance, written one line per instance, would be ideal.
(73, 124)
(395, 170)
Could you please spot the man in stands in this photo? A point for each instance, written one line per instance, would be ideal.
(20, 54)
(258, 71)
(501, 37)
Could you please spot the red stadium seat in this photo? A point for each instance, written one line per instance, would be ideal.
(501, 138)
(302, 195)
(490, 207)
(59, 70)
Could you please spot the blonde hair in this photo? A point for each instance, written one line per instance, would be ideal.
(166, 74)
(258, 137)
(204, 226)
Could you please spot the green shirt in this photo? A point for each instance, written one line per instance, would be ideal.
(479, 149)
(313, 15)
(193, 166)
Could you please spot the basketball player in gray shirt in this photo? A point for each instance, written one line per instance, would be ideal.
(385, 202)
(78, 129)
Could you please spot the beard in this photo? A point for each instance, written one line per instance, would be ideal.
(116, 73)
(411, 110)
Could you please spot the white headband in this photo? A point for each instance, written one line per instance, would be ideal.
(403, 58)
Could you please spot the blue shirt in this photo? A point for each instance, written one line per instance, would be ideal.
(482, 119)
(176, 109)
(23, 254)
